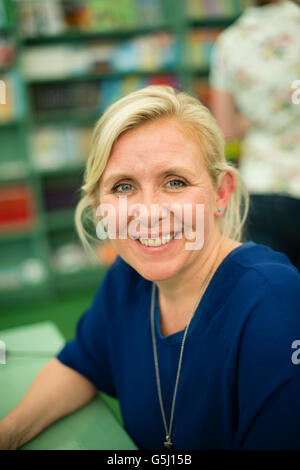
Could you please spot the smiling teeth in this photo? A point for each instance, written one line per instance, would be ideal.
(156, 241)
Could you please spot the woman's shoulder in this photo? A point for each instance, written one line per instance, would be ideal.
(267, 294)
(269, 308)
(255, 282)
(272, 267)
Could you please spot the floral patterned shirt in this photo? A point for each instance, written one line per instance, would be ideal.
(257, 60)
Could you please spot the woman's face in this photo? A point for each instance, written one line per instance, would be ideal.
(158, 163)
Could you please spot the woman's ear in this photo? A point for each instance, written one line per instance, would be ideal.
(224, 191)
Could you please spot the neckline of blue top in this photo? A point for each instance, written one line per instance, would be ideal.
(176, 338)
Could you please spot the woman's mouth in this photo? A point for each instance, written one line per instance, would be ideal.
(156, 241)
(153, 245)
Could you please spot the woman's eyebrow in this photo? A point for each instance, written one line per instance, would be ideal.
(174, 169)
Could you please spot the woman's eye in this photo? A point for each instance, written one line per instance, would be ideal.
(116, 189)
(181, 183)
(125, 187)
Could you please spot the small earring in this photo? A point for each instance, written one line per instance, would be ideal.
(219, 210)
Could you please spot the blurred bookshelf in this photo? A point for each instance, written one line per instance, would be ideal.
(63, 62)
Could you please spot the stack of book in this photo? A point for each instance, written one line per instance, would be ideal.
(61, 193)
(69, 257)
(24, 272)
(113, 89)
(90, 98)
(68, 97)
(201, 9)
(143, 53)
(12, 98)
(7, 51)
(17, 208)
(199, 46)
(55, 147)
(151, 52)
(51, 17)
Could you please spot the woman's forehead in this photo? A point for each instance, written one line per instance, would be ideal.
(166, 130)
(161, 141)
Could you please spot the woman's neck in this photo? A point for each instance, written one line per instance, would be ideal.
(190, 279)
(177, 296)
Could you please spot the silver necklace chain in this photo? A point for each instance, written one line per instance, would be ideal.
(168, 443)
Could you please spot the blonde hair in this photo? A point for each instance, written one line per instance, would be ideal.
(148, 104)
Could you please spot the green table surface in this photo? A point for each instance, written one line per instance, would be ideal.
(28, 350)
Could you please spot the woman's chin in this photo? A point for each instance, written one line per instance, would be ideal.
(154, 264)
(157, 273)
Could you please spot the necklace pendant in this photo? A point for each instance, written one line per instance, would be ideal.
(168, 443)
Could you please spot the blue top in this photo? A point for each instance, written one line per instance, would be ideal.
(239, 386)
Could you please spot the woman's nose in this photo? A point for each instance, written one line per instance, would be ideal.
(145, 213)
(149, 212)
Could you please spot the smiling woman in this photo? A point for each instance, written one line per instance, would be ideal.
(142, 146)
(195, 342)
(180, 112)
(148, 153)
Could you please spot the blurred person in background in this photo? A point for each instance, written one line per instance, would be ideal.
(255, 66)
